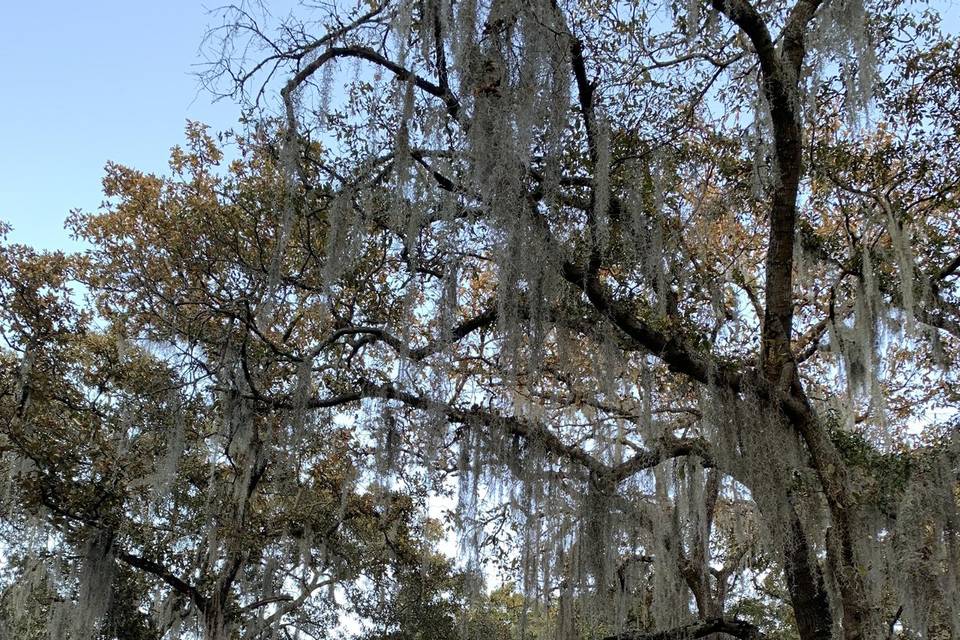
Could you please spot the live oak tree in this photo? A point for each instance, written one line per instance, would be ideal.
(733, 213)
(664, 297)
(149, 490)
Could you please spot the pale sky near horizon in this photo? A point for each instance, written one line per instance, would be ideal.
(88, 82)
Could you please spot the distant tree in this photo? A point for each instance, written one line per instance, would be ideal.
(152, 490)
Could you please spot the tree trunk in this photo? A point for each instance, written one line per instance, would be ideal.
(811, 607)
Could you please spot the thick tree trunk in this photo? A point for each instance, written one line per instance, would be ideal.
(780, 86)
(811, 607)
(831, 472)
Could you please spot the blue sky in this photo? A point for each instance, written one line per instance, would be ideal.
(84, 83)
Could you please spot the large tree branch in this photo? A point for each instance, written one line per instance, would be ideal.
(673, 350)
(463, 329)
(745, 15)
(949, 269)
(734, 627)
(794, 32)
(681, 358)
(667, 448)
(481, 320)
(585, 91)
(780, 88)
(365, 53)
(162, 572)
(529, 430)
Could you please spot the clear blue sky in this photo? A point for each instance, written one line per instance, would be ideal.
(87, 82)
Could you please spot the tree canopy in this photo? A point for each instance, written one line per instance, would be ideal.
(653, 307)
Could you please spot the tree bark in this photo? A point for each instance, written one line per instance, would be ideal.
(811, 607)
(736, 628)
